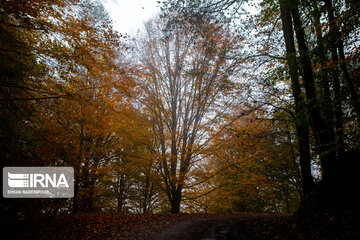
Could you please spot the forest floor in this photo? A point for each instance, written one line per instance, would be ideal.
(163, 227)
(228, 227)
(152, 227)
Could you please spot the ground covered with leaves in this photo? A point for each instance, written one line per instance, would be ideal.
(94, 226)
(165, 227)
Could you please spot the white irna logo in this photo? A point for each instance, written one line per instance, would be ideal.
(33, 180)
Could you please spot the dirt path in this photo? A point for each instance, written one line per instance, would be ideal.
(224, 228)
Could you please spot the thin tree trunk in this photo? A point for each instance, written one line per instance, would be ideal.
(90, 196)
(326, 102)
(77, 168)
(336, 82)
(120, 193)
(337, 41)
(354, 96)
(147, 192)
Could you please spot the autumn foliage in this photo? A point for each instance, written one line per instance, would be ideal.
(213, 107)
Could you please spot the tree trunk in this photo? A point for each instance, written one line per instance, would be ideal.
(336, 82)
(90, 196)
(75, 206)
(147, 193)
(326, 136)
(300, 118)
(337, 44)
(77, 169)
(175, 203)
(120, 192)
(321, 53)
(119, 208)
(354, 96)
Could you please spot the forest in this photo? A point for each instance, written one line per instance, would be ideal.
(243, 111)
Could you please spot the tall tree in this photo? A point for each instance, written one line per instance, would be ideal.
(300, 121)
(183, 78)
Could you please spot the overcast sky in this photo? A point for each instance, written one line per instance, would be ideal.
(129, 15)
